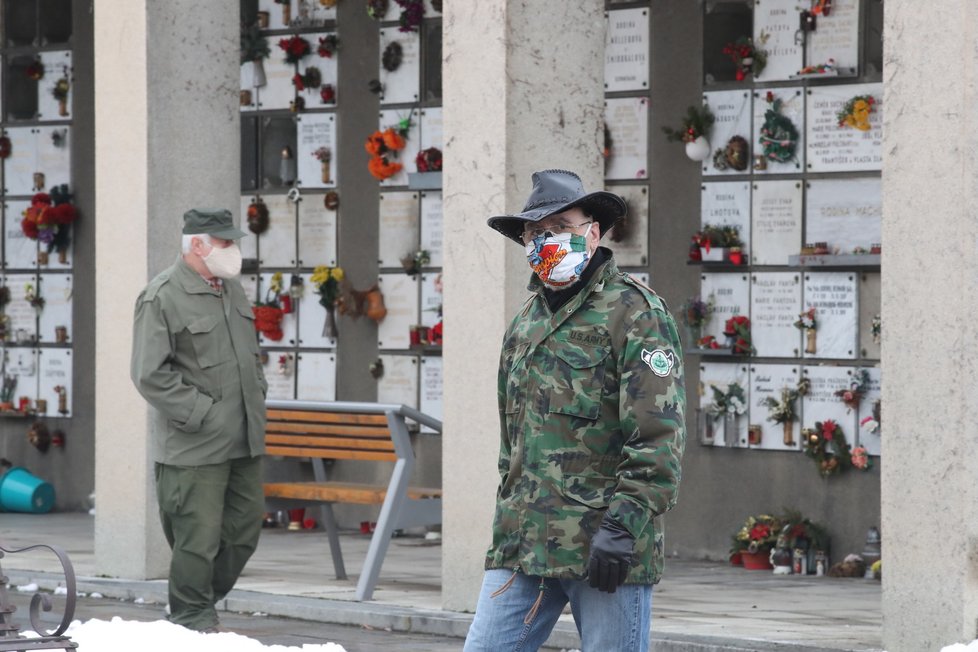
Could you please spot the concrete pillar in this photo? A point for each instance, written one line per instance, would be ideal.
(524, 91)
(168, 138)
(930, 361)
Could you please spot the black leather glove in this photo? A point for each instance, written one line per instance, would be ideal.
(611, 555)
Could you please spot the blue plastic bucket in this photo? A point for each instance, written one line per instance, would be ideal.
(22, 491)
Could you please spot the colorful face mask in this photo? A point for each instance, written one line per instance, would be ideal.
(558, 260)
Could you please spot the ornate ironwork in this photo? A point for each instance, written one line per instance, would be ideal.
(10, 640)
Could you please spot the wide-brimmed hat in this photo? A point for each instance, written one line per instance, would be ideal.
(555, 191)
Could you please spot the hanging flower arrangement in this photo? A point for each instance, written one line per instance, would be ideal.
(694, 132)
(779, 136)
(860, 459)
(857, 389)
(807, 323)
(384, 146)
(428, 160)
(392, 56)
(826, 444)
(782, 411)
(732, 402)
(257, 216)
(328, 45)
(49, 218)
(326, 281)
(295, 48)
(269, 314)
(311, 78)
(855, 112)
(696, 313)
(412, 11)
(327, 94)
(254, 45)
(747, 58)
(737, 330)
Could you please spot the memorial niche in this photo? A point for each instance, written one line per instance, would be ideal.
(723, 22)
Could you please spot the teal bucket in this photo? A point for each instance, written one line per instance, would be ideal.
(22, 491)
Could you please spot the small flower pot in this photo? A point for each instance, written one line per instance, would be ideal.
(699, 149)
(714, 255)
(757, 560)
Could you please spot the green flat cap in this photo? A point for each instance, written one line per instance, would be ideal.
(212, 221)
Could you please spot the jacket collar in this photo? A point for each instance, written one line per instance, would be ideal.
(189, 279)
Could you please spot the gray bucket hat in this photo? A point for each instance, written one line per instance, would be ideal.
(555, 191)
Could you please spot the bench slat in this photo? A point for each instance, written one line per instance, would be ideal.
(326, 417)
(347, 443)
(330, 453)
(330, 429)
(341, 492)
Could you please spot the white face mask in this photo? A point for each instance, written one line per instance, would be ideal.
(223, 262)
(559, 260)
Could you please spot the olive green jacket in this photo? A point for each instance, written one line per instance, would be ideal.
(591, 404)
(195, 358)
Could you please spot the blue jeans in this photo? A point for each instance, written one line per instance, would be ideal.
(607, 622)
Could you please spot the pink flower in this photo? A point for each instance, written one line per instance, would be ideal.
(860, 458)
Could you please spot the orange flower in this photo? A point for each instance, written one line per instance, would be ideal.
(393, 140)
(375, 144)
(381, 169)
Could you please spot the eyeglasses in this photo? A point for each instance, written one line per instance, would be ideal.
(531, 234)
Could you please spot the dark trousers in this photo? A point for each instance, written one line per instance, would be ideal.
(211, 517)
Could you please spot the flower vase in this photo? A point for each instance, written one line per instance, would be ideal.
(325, 171)
(789, 433)
(286, 12)
(329, 324)
(63, 108)
(706, 429)
(258, 73)
(699, 149)
(63, 256)
(42, 258)
(730, 433)
(759, 560)
(810, 335)
(713, 255)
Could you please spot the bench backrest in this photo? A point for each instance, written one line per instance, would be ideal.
(329, 435)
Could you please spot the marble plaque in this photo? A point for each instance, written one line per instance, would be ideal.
(22, 362)
(431, 298)
(837, 37)
(44, 150)
(732, 110)
(431, 388)
(399, 384)
(867, 437)
(630, 241)
(775, 304)
(775, 24)
(776, 218)
(21, 315)
(392, 118)
(401, 298)
(280, 374)
(277, 245)
(56, 290)
(327, 72)
(821, 403)
(627, 120)
(401, 86)
(57, 65)
(54, 371)
(793, 108)
(316, 376)
(731, 296)
(832, 148)
(317, 232)
(312, 318)
(626, 50)
(834, 297)
(315, 12)
(721, 375)
(727, 203)
(844, 213)
(399, 228)
(769, 380)
(249, 283)
(431, 226)
(278, 91)
(20, 252)
(315, 131)
(288, 321)
(431, 128)
(869, 309)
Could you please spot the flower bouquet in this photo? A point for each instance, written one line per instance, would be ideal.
(695, 132)
(806, 322)
(717, 243)
(728, 404)
(783, 411)
(856, 390)
(855, 112)
(48, 220)
(755, 539)
(737, 331)
(695, 314)
(323, 155)
(269, 313)
(746, 57)
(385, 145)
(326, 280)
(295, 47)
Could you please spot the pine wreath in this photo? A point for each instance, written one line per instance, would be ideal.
(827, 445)
(392, 56)
(779, 136)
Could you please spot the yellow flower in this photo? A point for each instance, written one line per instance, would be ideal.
(337, 273)
(320, 275)
(276, 284)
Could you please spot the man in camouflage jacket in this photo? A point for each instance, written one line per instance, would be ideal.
(591, 404)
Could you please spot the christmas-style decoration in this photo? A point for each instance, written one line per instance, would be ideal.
(327, 94)
(783, 410)
(254, 50)
(428, 160)
(871, 423)
(735, 156)
(852, 394)
(392, 56)
(737, 331)
(713, 242)
(695, 132)
(328, 45)
(855, 112)
(324, 155)
(758, 534)
(295, 48)
(412, 12)
(779, 136)
(747, 58)
(257, 216)
(377, 9)
(326, 280)
(806, 322)
(49, 218)
(826, 444)
(385, 145)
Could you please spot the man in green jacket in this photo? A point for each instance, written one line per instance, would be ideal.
(591, 407)
(195, 359)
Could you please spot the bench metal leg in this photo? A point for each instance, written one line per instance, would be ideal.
(333, 534)
(386, 522)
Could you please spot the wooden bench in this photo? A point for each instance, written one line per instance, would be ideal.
(368, 432)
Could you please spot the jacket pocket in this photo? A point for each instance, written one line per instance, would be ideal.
(588, 489)
(578, 381)
(208, 347)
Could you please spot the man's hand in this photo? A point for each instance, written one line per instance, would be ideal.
(611, 555)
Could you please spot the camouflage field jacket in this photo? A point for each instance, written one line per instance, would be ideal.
(591, 404)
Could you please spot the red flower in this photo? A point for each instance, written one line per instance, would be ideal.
(294, 47)
(760, 531)
(828, 429)
(297, 80)
(770, 96)
(327, 93)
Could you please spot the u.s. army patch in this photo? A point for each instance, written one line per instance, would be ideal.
(659, 361)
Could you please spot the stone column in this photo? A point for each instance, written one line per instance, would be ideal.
(524, 91)
(929, 358)
(168, 138)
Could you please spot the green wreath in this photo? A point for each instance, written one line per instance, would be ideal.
(827, 445)
(779, 136)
